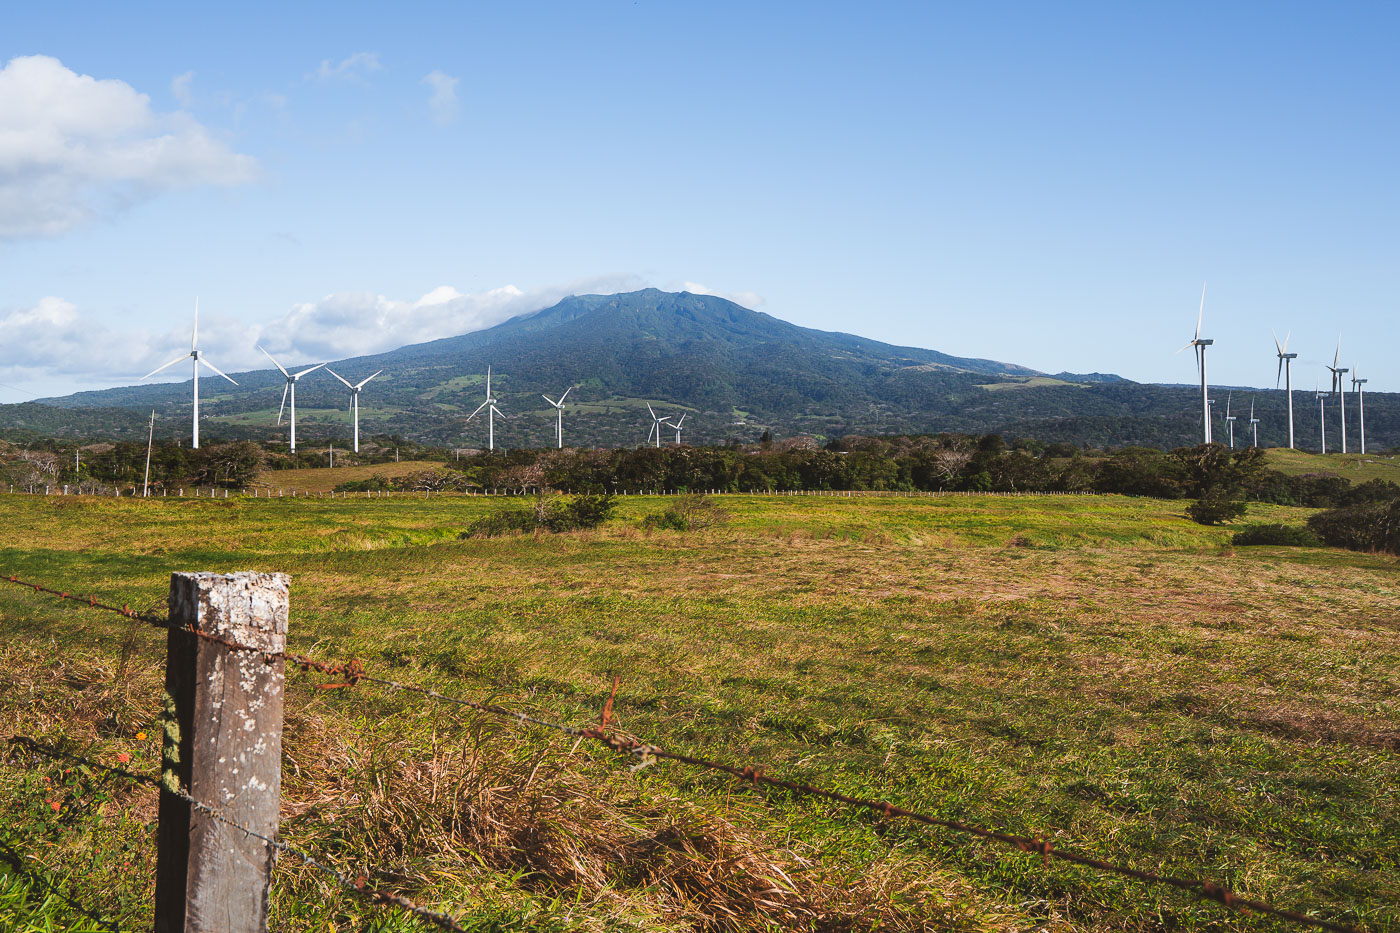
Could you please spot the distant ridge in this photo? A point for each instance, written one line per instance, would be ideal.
(735, 371)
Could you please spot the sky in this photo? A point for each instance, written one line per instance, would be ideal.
(1044, 184)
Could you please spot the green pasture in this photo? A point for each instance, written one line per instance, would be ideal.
(1095, 670)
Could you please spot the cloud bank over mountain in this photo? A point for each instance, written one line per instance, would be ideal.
(74, 147)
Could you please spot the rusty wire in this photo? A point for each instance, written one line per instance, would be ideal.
(647, 753)
(351, 669)
(358, 886)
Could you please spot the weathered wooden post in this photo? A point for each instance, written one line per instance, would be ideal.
(223, 747)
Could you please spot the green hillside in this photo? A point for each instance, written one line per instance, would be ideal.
(736, 373)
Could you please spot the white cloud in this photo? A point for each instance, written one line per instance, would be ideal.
(180, 87)
(351, 68)
(358, 323)
(62, 346)
(73, 146)
(443, 100)
(747, 299)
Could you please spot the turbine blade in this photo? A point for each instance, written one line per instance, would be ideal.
(549, 400)
(565, 395)
(478, 410)
(1200, 315)
(310, 369)
(653, 414)
(216, 369)
(1286, 338)
(1276, 343)
(179, 359)
(1279, 378)
(1190, 343)
(340, 377)
(194, 340)
(368, 378)
(280, 408)
(274, 361)
(498, 413)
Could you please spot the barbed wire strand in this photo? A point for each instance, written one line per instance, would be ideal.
(358, 886)
(646, 754)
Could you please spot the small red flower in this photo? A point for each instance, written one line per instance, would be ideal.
(55, 805)
(123, 757)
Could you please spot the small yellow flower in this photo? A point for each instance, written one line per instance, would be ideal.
(140, 736)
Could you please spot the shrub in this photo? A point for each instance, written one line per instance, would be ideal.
(590, 511)
(546, 513)
(1214, 508)
(375, 483)
(1281, 535)
(691, 512)
(1370, 527)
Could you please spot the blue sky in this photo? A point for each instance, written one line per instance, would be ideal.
(1047, 184)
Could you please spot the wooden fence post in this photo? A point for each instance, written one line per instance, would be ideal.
(223, 747)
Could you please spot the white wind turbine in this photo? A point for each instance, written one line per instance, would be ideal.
(1356, 385)
(354, 400)
(1285, 372)
(677, 426)
(1321, 413)
(193, 355)
(559, 411)
(656, 422)
(1253, 423)
(290, 388)
(1230, 419)
(491, 412)
(1200, 346)
(1339, 388)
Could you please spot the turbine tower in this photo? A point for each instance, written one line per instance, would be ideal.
(193, 355)
(559, 412)
(1285, 371)
(354, 400)
(1321, 414)
(1253, 423)
(656, 422)
(1356, 385)
(491, 412)
(1230, 419)
(290, 388)
(1339, 388)
(677, 426)
(1200, 346)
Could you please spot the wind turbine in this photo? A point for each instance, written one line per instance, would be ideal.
(1339, 388)
(1200, 345)
(677, 426)
(656, 423)
(491, 412)
(1253, 423)
(1230, 419)
(1356, 385)
(559, 411)
(193, 355)
(290, 387)
(1285, 371)
(354, 400)
(1321, 413)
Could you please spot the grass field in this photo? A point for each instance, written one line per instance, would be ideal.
(324, 479)
(1353, 466)
(1099, 671)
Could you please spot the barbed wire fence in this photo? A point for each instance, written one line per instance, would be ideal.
(642, 754)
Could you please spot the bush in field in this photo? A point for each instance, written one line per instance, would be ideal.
(375, 483)
(545, 513)
(1369, 527)
(1280, 535)
(691, 512)
(1215, 508)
